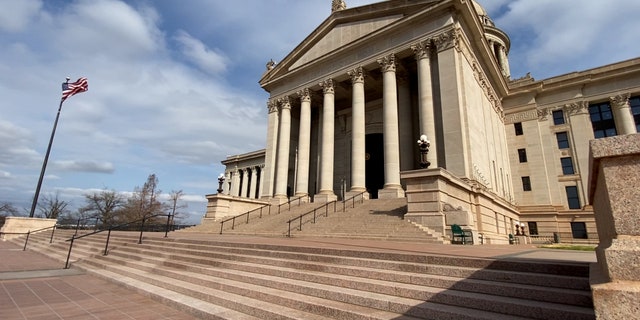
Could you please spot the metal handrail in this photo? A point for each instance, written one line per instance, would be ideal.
(326, 207)
(28, 233)
(248, 213)
(106, 247)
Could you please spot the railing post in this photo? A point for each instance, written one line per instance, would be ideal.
(314, 216)
(300, 228)
(269, 209)
(106, 245)
(248, 217)
(141, 229)
(26, 240)
(52, 232)
(221, 225)
(233, 223)
(261, 212)
(77, 226)
(289, 231)
(66, 264)
(326, 210)
(166, 230)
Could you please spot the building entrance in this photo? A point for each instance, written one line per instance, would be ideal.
(374, 168)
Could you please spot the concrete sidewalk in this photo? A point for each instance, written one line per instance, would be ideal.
(33, 286)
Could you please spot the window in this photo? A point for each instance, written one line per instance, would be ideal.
(567, 165)
(522, 155)
(558, 117)
(602, 120)
(572, 197)
(526, 184)
(518, 127)
(563, 140)
(579, 230)
(635, 109)
(533, 228)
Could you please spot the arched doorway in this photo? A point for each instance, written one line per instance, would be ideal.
(374, 168)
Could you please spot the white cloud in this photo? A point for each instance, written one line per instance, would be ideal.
(84, 165)
(209, 60)
(16, 15)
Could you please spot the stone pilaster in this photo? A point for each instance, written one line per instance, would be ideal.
(625, 124)
(244, 185)
(392, 187)
(422, 53)
(254, 180)
(304, 144)
(235, 183)
(407, 137)
(326, 193)
(284, 141)
(358, 131)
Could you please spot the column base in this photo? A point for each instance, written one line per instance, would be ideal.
(391, 193)
(325, 197)
(304, 197)
(353, 193)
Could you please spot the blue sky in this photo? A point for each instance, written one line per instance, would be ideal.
(173, 85)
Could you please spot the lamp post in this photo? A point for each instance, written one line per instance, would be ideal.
(424, 145)
(220, 182)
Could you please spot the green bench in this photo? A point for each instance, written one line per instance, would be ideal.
(461, 236)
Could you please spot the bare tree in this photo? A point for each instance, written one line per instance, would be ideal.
(104, 205)
(174, 198)
(7, 209)
(51, 207)
(144, 203)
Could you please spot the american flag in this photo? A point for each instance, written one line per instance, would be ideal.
(69, 89)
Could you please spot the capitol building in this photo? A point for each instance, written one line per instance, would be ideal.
(352, 107)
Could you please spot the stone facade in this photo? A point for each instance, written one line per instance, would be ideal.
(347, 105)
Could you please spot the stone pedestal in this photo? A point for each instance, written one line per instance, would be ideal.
(614, 192)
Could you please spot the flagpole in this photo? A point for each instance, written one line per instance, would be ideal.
(44, 164)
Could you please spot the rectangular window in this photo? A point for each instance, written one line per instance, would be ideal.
(635, 109)
(533, 228)
(526, 184)
(579, 230)
(572, 197)
(518, 127)
(563, 140)
(522, 155)
(558, 117)
(567, 165)
(602, 120)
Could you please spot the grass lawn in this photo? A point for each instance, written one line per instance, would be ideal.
(585, 247)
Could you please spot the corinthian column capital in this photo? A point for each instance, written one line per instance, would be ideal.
(357, 75)
(447, 40)
(620, 101)
(327, 86)
(284, 102)
(272, 106)
(422, 50)
(305, 95)
(388, 63)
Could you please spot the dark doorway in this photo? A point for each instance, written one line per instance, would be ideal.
(374, 148)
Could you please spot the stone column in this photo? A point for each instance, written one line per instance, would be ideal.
(407, 137)
(284, 142)
(304, 144)
(326, 193)
(614, 163)
(268, 174)
(504, 62)
(357, 132)
(392, 187)
(254, 180)
(625, 124)
(422, 52)
(245, 182)
(235, 183)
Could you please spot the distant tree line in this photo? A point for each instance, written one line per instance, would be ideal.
(110, 208)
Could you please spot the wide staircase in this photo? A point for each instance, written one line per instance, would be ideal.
(224, 277)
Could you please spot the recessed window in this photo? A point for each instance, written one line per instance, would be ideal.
(567, 165)
(579, 230)
(558, 117)
(602, 120)
(526, 184)
(522, 155)
(635, 109)
(518, 127)
(563, 140)
(572, 197)
(533, 228)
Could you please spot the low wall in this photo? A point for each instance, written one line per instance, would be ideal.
(220, 206)
(23, 225)
(437, 199)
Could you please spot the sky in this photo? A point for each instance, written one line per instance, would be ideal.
(173, 85)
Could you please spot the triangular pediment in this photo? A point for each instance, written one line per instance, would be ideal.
(342, 35)
(346, 27)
